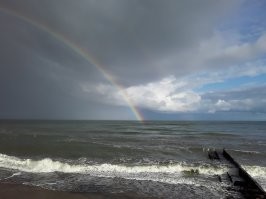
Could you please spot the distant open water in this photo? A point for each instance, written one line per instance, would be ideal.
(158, 159)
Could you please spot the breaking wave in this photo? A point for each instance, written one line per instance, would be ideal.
(259, 173)
(48, 165)
(169, 173)
(245, 151)
(256, 171)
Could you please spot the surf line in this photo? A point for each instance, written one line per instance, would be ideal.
(81, 52)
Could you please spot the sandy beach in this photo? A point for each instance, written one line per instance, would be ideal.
(16, 191)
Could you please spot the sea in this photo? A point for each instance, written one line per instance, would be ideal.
(155, 159)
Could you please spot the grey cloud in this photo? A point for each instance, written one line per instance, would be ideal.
(129, 38)
(246, 100)
(240, 53)
(136, 41)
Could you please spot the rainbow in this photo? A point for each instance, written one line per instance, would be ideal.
(80, 51)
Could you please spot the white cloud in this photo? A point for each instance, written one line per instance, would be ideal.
(178, 95)
(165, 95)
(243, 51)
(222, 105)
(230, 105)
(222, 56)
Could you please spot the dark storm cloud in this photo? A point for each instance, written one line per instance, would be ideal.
(40, 76)
(129, 38)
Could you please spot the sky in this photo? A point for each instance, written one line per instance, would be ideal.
(133, 59)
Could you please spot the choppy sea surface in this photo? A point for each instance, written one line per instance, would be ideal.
(161, 159)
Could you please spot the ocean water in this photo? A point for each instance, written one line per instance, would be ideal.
(160, 159)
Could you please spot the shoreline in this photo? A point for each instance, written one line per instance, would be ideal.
(19, 191)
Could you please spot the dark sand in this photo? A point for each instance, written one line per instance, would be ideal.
(16, 191)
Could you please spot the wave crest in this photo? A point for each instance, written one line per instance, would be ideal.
(256, 171)
(48, 165)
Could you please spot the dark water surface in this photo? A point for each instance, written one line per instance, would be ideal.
(159, 159)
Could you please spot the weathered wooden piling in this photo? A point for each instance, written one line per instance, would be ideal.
(249, 187)
(213, 155)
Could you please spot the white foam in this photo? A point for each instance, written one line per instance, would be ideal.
(39, 166)
(245, 151)
(14, 174)
(259, 173)
(164, 173)
(256, 171)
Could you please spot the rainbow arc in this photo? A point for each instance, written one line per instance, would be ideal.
(80, 51)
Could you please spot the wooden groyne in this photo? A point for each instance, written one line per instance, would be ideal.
(249, 187)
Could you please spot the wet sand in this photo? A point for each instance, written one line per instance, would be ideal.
(16, 191)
